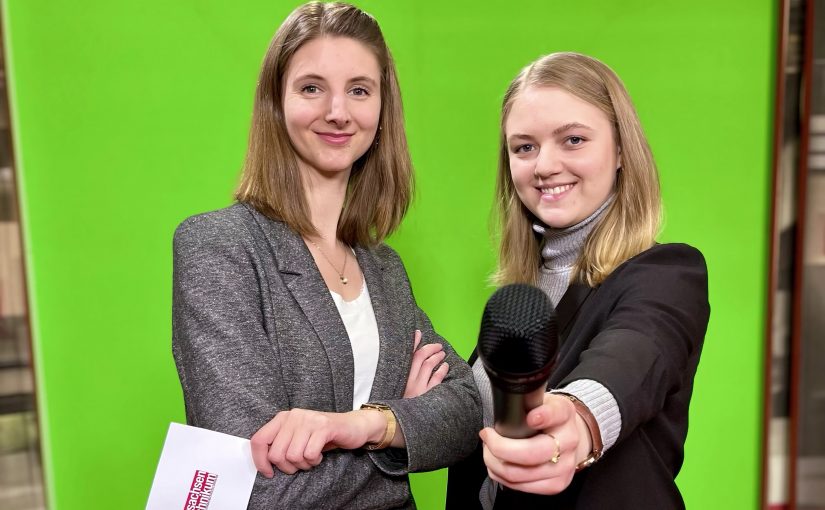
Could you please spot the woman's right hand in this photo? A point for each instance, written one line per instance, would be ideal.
(295, 440)
(546, 462)
(423, 374)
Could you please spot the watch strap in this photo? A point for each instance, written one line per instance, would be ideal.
(593, 427)
(389, 433)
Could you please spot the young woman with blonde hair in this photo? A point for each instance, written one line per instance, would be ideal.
(293, 324)
(579, 205)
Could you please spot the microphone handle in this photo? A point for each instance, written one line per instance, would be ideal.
(510, 411)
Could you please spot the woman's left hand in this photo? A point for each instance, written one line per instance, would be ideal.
(295, 440)
(527, 465)
(423, 372)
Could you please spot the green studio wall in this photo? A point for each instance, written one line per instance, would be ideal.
(130, 116)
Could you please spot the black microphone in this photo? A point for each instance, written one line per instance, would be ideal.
(517, 344)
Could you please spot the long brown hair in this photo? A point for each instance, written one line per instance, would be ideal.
(631, 222)
(381, 182)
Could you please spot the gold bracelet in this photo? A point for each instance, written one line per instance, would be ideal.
(389, 433)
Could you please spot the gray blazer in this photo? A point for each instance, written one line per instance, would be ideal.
(255, 332)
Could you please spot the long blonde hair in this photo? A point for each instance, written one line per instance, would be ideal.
(380, 185)
(629, 225)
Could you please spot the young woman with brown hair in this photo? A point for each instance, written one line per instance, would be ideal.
(293, 323)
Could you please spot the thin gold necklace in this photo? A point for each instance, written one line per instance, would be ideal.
(341, 276)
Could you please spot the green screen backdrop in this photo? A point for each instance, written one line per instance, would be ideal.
(130, 116)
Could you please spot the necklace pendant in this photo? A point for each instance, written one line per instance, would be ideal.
(343, 279)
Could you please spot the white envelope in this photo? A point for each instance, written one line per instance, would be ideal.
(201, 469)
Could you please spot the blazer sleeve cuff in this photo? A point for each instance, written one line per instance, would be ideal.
(391, 461)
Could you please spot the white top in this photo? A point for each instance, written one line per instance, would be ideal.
(362, 329)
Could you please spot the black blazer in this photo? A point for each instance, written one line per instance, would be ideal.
(640, 334)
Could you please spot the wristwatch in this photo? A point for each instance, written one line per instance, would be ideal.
(592, 426)
(392, 423)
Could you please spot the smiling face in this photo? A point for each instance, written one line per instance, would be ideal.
(563, 155)
(332, 103)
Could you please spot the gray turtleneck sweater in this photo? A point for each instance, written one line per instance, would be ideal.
(560, 251)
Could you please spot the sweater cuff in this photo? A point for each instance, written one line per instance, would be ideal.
(601, 403)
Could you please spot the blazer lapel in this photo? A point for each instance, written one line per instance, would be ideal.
(304, 281)
(395, 333)
(569, 306)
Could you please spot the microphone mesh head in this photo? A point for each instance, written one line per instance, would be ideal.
(518, 336)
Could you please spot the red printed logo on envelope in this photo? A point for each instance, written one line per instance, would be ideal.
(200, 492)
